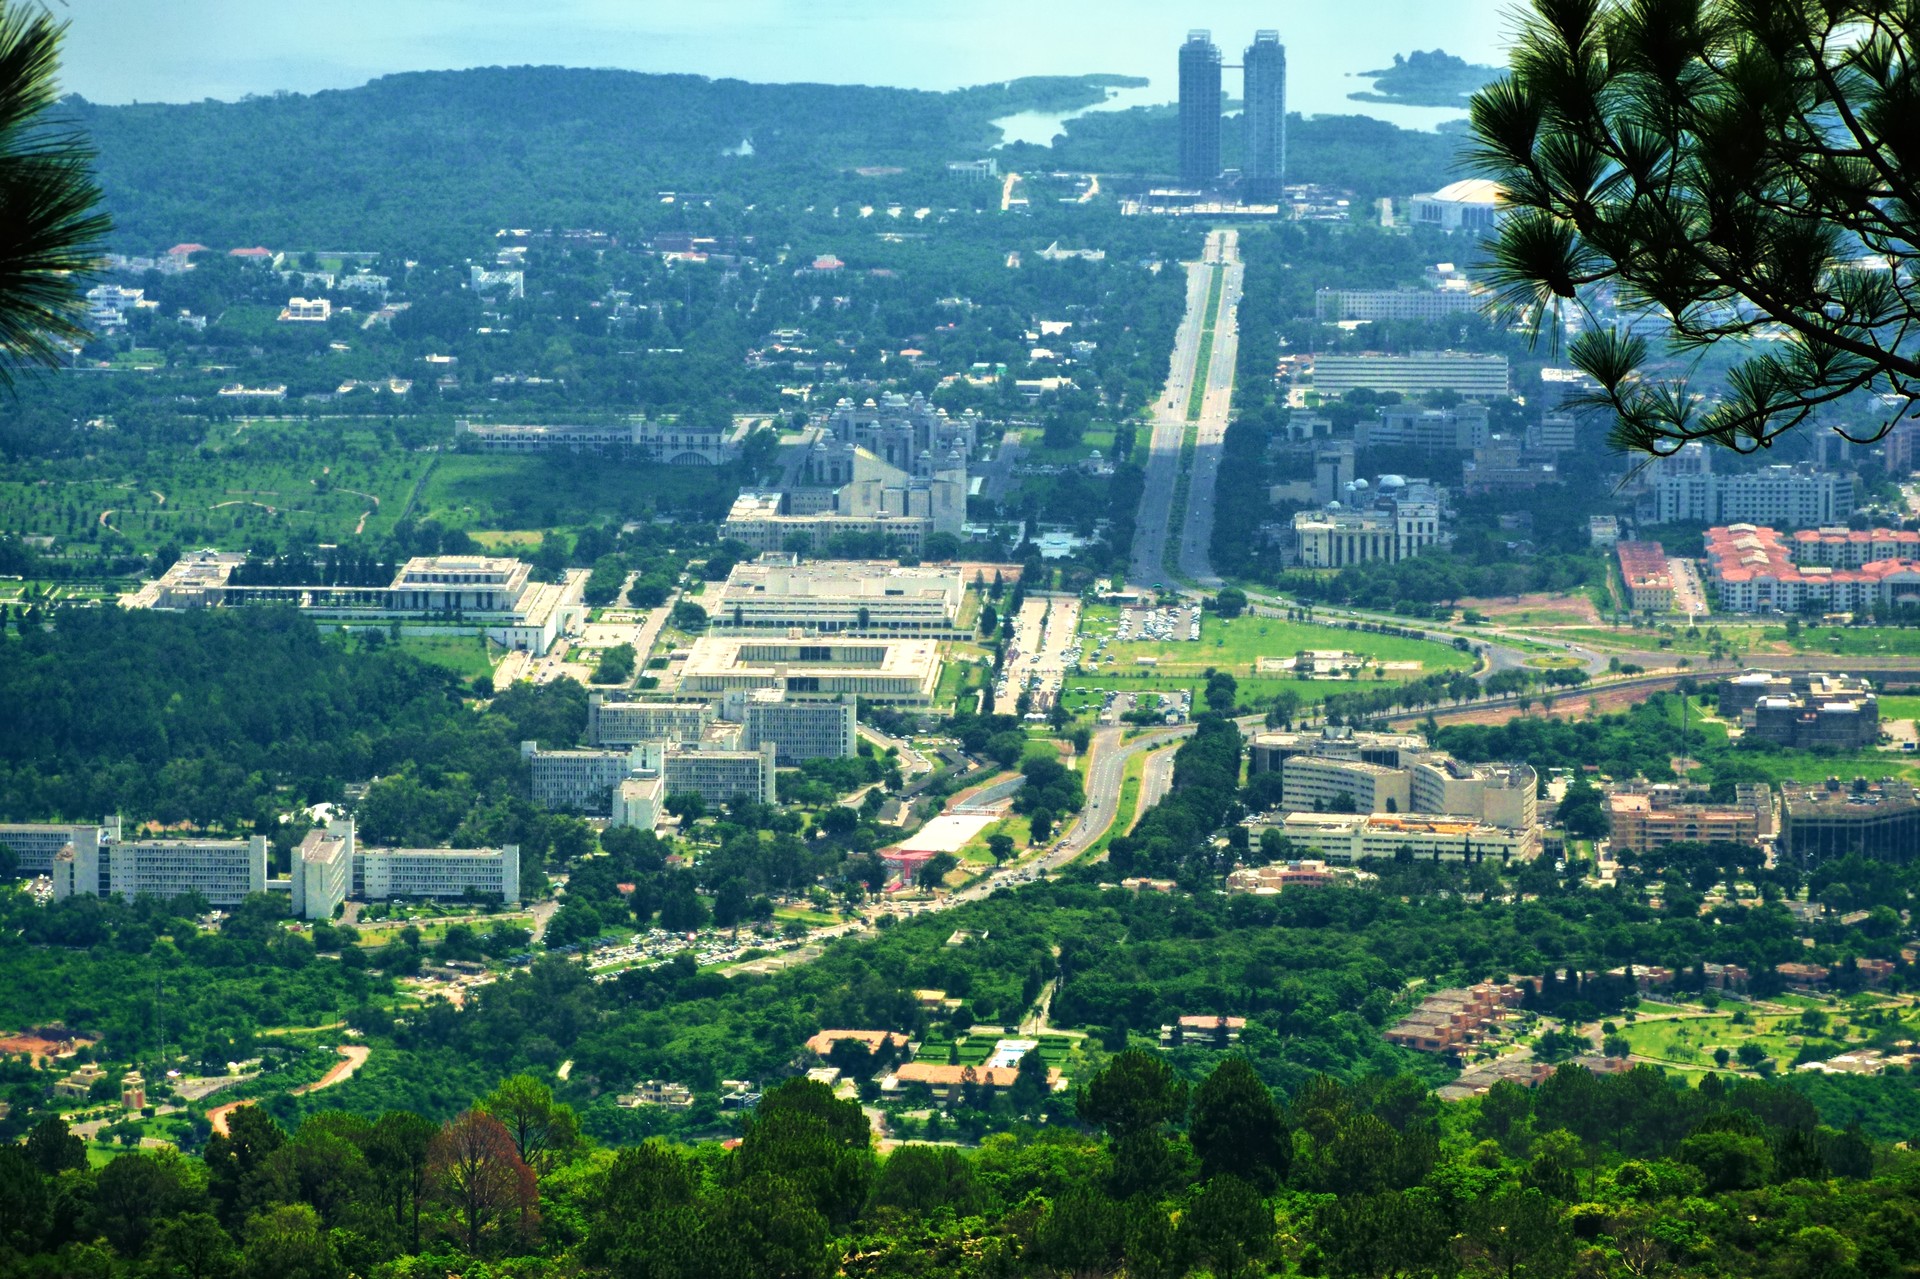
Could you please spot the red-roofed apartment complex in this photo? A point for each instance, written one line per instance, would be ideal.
(1754, 569)
(1643, 565)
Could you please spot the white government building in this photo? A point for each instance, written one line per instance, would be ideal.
(841, 598)
(475, 593)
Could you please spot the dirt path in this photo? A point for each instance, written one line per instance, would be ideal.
(105, 516)
(353, 1056)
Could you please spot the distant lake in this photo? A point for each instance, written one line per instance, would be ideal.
(185, 50)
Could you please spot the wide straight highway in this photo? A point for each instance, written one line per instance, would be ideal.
(1196, 533)
(1155, 520)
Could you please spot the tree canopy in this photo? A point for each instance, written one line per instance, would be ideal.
(1743, 176)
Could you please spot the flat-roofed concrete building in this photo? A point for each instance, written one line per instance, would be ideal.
(1310, 783)
(887, 672)
(799, 730)
(494, 596)
(1478, 376)
(323, 870)
(224, 871)
(1333, 306)
(639, 801)
(721, 776)
(1345, 838)
(380, 873)
(1640, 823)
(1504, 795)
(1803, 709)
(1269, 750)
(34, 845)
(1835, 818)
(612, 723)
(842, 598)
(579, 781)
(672, 441)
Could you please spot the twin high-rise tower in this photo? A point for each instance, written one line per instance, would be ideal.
(1263, 164)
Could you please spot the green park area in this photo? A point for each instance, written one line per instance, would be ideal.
(1783, 1032)
(1058, 1051)
(492, 491)
(329, 480)
(284, 480)
(1236, 645)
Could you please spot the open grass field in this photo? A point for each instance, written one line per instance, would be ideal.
(466, 655)
(1851, 641)
(283, 479)
(1897, 706)
(1685, 1036)
(510, 492)
(330, 480)
(1236, 646)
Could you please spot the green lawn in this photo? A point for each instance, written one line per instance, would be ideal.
(1236, 645)
(1852, 641)
(1897, 706)
(283, 479)
(495, 491)
(466, 655)
(1688, 1040)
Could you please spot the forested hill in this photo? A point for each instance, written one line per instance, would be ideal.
(407, 158)
(426, 162)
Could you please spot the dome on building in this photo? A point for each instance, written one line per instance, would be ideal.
(1469, 191)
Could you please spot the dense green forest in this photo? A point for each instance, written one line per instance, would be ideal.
(1157, 1174)
(410, 160)
(431, 161)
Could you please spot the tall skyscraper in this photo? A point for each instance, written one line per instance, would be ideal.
(1263, 167)
(1199, 110)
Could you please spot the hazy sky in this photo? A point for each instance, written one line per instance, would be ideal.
(184, 50)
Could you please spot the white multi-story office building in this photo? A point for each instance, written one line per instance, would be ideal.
(491, 594)
(639, 801)
(1336, 538)
(889, 672)
(1781, 496)
(839, 598)
(379, 873)
(1316, 784)
(224, 871)
(1345, 838)
(1332, 306)
(1462, 428)
(323, 870)
(612, 723)
(798, 730)
(719, 777)
(1479, 376)
(580, 781)
(34, 845)
(1503, 795)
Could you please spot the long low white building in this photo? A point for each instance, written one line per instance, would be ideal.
(489, 594)
(438, 872)
(35, 845)
(841, 598)
(892, 672)
(1346, 838)
(224, 871)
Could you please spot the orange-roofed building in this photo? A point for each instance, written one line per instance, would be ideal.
(823, 1042)
(1754, 569)
(948, 1081)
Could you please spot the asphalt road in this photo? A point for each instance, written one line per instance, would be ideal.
(1196, 533)
(1155, 518)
